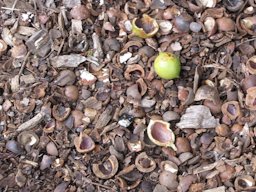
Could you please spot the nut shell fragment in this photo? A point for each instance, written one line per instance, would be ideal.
(84, 143)
(169, 166)
(144, 27)
(28, 139)
(206, 92)
(231, 109)
(243, 182)
(251, 65)
(144, 163)
(3, 47)
(250, 99)
(60, 113)
(159, 133)
(107, 169)
(169, 180)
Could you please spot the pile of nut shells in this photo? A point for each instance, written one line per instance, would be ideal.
(86, 106)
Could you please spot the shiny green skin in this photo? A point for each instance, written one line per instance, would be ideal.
(167, 66)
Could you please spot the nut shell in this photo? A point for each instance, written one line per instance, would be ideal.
(159, 133)
(225, 24)
(251, 65)
(80, 12)
(107, 169)
(84, 143)
(168, 179)
(169, 166)
(144, 27)
(231, 109)
(244, 181)
(250, 99)
(144, 163)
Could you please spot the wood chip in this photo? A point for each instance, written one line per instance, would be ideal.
(105, 117)
(207, 167)
(217, 189)
(72, 60)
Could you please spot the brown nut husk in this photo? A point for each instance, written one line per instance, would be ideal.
(169, 166)
(107, 169)
(144, 27)
(248, 82)
(207, 92)
(225, 24)
(250, 99)
(26, 105)
(49, 126)
(182, 145)
(251, 65)
(231, 109)
(244, 181)
(60, 113)
(134, 144)
(80, 12)
(210, 26)
(222, 130)
(168, 179)
(248, 24)
(3, 47)
(233, 5)
(159, 133)
(28, 139)
(71, 92)
(144, 163)
(84, 143)
(186, 95)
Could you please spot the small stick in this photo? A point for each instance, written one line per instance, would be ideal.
(248, 40)
(8, 8)
(23, 64)
(32, 122)
(14, 4)
(34, 164)
(103, 186)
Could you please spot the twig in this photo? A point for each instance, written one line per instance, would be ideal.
(90, 59)
(14, 4)
(248, 40)
(32, 122)
(8, 8)
(61, 46)
(24, 63)
(103, 186)
(25, 161)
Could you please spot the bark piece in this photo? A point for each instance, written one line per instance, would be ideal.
(217, 189)
(39, 43)
(197, 116)
(105, 117)
(72, 60)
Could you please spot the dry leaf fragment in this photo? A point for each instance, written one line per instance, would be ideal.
(197, 116)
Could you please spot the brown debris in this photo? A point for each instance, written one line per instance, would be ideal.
(82, 108)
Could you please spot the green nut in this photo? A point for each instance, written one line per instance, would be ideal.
(167, 66)
(144, 27)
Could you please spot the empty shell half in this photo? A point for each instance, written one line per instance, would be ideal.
(106, 169)
(159, 133)
(144, 163)
(84, 143)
